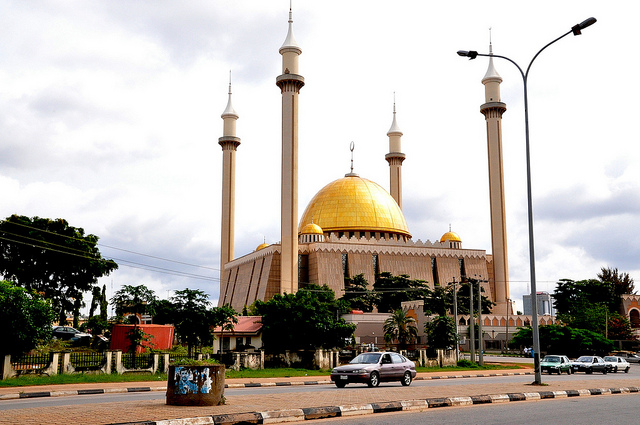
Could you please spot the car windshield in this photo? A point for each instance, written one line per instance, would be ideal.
(610, 359)
(584, 359)
(366, 358)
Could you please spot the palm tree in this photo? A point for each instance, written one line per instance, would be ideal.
(400, 327)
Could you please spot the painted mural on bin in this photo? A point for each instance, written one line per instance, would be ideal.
(186, 380)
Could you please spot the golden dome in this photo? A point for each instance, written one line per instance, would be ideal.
(311, 229)
(450, 236)
(354, 204)
(262, 246)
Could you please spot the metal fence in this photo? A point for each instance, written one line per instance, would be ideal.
(88, 361)
(33, 362)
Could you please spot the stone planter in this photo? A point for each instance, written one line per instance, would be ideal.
(195, 385)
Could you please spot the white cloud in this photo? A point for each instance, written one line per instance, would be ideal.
(110, 115)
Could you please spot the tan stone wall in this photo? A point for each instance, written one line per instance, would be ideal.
(329, 266)
(257, 275)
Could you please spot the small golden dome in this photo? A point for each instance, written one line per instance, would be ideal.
(354, 204)
(311, 229)
(262, 246)
(450, 236)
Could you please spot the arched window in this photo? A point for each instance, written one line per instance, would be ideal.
(634, 318)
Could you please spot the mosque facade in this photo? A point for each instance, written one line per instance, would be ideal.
(352, 225)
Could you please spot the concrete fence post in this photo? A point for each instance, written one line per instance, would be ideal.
(67, 368)
(7, 369)
(166, 362)
(119, 365)
(156, 363)
(107, 367)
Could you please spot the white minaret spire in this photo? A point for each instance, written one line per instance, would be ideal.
(395, 158)
(492, 109)
(229, 143)
(290, 83)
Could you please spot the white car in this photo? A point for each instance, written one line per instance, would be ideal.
(617, 363)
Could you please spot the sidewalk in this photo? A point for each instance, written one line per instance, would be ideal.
(274, 408)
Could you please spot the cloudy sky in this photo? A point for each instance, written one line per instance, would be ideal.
(110, 118)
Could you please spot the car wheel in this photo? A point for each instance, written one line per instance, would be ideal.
(615, 370)
(626, 370)
(604, 371)
(588, 371)
(340, 384)
(406, 379)
(570, 371)
(559, 371)
(374, 379)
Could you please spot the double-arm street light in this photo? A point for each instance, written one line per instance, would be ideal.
(576, 30)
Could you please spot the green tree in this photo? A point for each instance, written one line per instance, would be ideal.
(622, 284)
(136, 300)
(163, 312)
(563, 339)
(400, 327)
(96, 295)
(225, 317)
(391, 291)
(192, 318)
(307, 319)
(441, 332)
(619, 328)
(463, 298)
(104, 304)
(52, 258)
(357, 294)
(587, 304)
(440, 301)
(26, 319)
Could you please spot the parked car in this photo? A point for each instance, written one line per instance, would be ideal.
(72, 334)
(627, 355)
(375, 367)
(617, 363)
(590, 364)
(555, 364)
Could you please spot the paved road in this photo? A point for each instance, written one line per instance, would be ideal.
(611, 409)
(473, 386)
(139, 408)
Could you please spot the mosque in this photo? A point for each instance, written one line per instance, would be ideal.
(353, 225)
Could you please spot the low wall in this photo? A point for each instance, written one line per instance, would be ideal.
(66, 367)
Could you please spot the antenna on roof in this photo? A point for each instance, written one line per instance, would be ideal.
(351, 148)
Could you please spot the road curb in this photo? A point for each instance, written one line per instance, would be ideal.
(290, 415)
(89, 391)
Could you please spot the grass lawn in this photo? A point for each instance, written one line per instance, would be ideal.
(31, 380)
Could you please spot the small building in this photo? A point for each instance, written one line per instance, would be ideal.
(544, 304)
(245, 336)
(161, 337)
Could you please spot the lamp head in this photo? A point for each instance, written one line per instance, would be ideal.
(577, 29)
(468, 54)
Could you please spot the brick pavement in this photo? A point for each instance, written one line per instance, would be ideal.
(352, 395)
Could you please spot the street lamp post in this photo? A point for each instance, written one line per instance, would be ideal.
(455, 318)
(576, 30)
(480, 335)
(506, 342)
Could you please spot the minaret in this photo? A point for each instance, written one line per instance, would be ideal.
(492, 110)
(229, 143)
(290, 83)
(395, 158)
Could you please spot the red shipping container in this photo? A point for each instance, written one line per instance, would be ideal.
(162, 337)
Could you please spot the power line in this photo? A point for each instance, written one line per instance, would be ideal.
(111, 247)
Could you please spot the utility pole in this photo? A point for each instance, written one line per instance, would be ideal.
(506, 342)
(472, 341)
(480, 339)
(455, 317)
